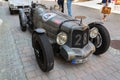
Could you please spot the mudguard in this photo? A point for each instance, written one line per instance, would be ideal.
(39, 30)
(93, 23)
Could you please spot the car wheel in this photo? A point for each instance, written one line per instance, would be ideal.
(102, 41)
(11, 11)
(43, 51)
(22, 23)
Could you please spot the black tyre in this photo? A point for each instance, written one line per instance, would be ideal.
(22, 19)
(43, 51)
(102, 41)
(11, 11)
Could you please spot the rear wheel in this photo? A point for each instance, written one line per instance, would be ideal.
(102, 41)
(22, 21)
(43, 51)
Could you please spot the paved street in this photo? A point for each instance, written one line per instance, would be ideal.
(17, 60)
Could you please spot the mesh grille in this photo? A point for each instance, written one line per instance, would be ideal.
(80, 38)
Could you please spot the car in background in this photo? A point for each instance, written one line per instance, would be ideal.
(15, 5)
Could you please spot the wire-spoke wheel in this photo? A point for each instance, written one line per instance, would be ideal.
(102, 41)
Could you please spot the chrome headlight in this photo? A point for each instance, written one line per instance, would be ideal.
(11, 5)
(61, 38)
(15, 7)
(93, 32)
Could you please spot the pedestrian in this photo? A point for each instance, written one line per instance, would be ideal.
(61, 5)
(105, 4)
(69, 4)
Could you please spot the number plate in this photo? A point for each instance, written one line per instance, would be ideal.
(79, 38)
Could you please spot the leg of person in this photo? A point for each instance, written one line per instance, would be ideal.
(69, 2)
(104, 17)
(59, 3)
(62, 2)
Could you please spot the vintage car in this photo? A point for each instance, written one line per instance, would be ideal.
(54, 33)
(15, 5)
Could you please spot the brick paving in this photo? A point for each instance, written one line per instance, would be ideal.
(18, 62)
(10, 63)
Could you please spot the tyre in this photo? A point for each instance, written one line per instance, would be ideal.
(43, 51)
(11, 11)
(102, 41)
(22, 19)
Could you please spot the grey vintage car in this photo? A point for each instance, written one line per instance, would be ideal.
(54, 33)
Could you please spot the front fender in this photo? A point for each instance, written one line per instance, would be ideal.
(39, 31)
(95, 23)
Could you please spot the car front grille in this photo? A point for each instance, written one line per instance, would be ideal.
(80, 38)
(23, 6)
(26, 6)
(20, 6)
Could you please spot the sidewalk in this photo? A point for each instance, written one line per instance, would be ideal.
(11, 67)
(93, 4)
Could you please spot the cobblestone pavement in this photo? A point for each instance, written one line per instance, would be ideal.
(10, 63)
(17, 60)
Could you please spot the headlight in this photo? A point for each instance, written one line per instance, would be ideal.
(93, 32)
(15, 7)
(11, 5)
(61, 38)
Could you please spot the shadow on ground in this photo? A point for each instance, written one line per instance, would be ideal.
(115, 44)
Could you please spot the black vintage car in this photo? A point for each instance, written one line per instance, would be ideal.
(55, 33)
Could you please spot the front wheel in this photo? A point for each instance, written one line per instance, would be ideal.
(102, 41)
(43, 51)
